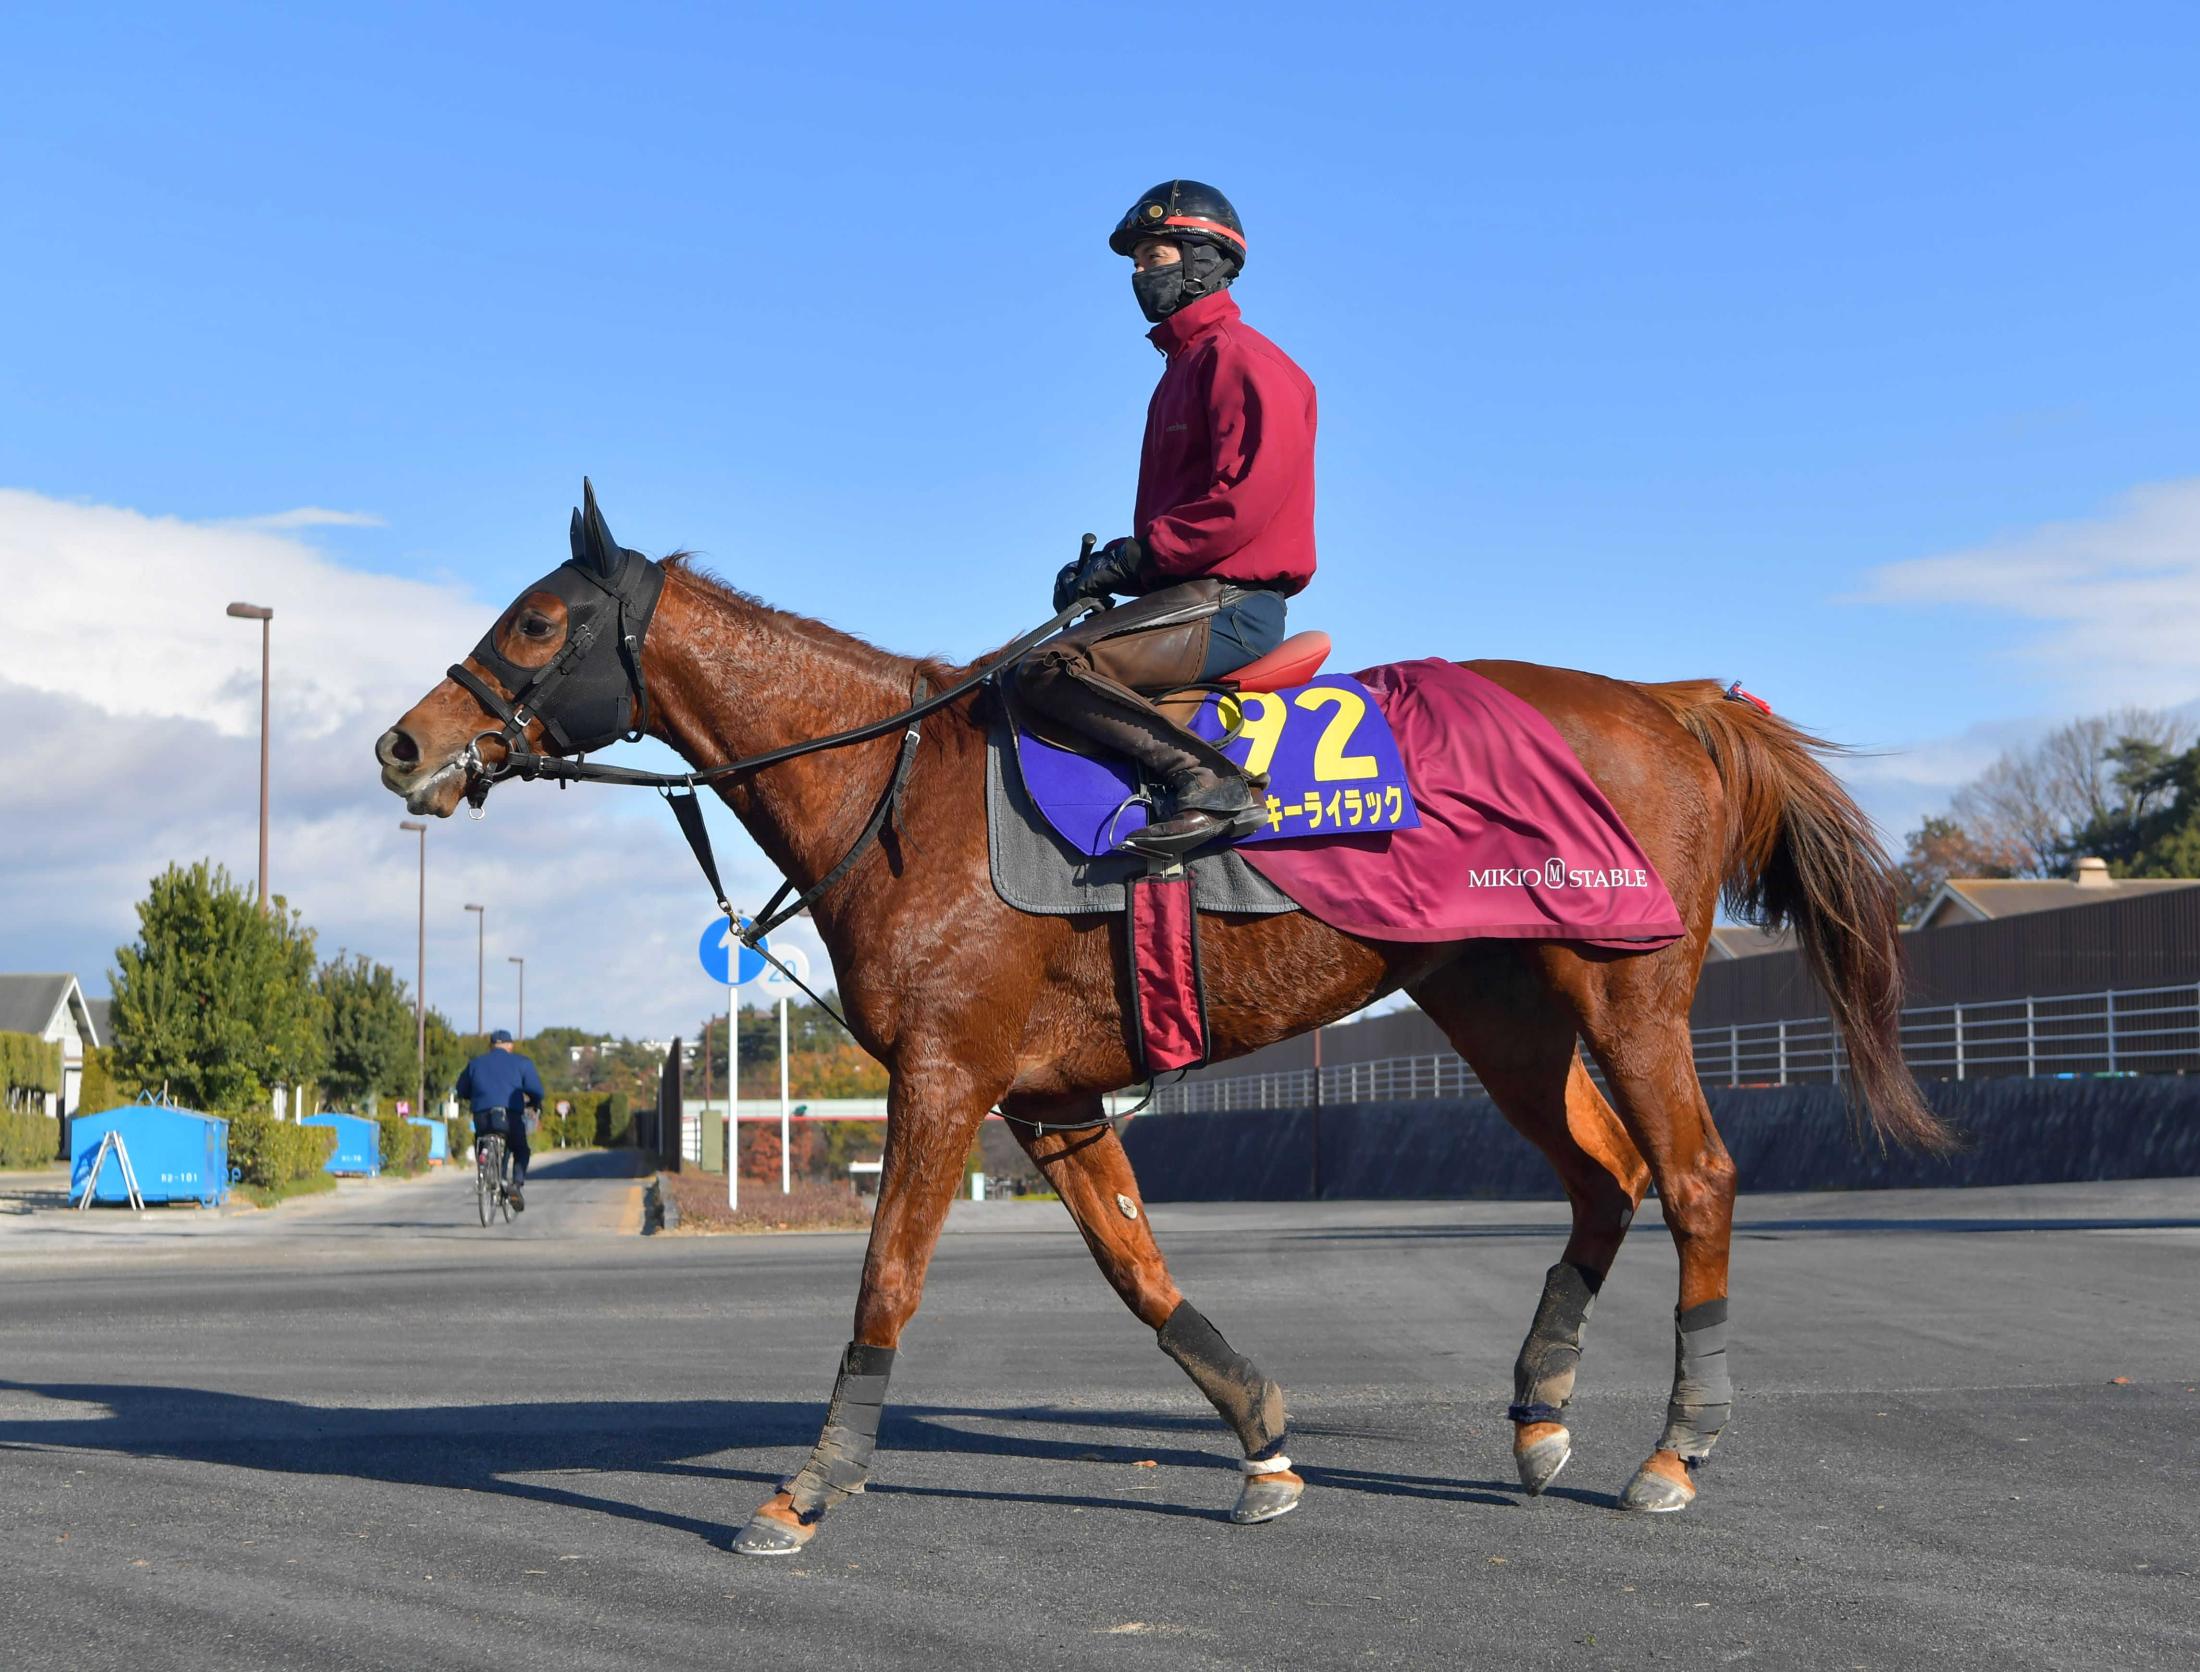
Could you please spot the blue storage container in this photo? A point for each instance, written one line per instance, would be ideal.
(178, 1155)
(358, 1143)
(439, 1136)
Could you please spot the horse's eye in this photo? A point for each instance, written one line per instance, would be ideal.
(535, 626)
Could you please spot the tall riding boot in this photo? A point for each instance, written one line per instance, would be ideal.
(1204, 795)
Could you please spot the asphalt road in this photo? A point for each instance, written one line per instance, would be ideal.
(365, 1433)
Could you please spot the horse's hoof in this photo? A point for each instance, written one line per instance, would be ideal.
(1540, 1450)
(774, 1530)
(1660, 1486)
(1264, 1497)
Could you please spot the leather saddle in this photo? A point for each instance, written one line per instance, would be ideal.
(1295, 661)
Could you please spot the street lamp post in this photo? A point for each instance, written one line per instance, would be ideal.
(481, 940)
(521, 1030)
(263, 615)
(420, 975)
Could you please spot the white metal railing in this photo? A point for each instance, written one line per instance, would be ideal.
(2132, 1030)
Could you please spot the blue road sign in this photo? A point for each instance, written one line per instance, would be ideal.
(716, 949)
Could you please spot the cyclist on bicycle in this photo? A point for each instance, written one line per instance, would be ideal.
(498, 1085)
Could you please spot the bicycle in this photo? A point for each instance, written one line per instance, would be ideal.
(492, 1178)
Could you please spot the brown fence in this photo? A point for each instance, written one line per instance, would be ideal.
(2152, 940)
(2021, 996)
(662, 1134)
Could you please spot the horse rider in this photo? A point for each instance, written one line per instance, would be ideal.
(1222, 534)
(498, 1085)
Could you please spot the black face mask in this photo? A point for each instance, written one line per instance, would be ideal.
(1162, 290)
(586, 696)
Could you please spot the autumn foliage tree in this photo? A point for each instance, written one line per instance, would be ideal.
(2124, 786)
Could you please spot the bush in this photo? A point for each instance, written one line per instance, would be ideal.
(576, 1130)
(811, 1207)
(271, 1154)
(597, 1119)
(459, 1137)
(97, 1091)
(29, 1066)
(404, 1145)
(27, 1139)
(615, 1121)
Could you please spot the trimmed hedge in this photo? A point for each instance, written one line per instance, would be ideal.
(97, 1091)
(614, 1121)
(404, 1145)
(599, 1120)
(27, 1139)
(29, 1065)
(270, 1153)
(459, 1138)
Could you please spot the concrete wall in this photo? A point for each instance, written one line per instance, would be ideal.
(1790, 1138)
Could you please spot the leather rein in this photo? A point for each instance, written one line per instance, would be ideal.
(526, 762)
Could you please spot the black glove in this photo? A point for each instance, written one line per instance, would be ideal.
(1065, 585)
(1112, 569)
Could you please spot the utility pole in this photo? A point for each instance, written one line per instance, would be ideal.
(263, 615)
(420, 974)
(481, 941)
(521, 1030)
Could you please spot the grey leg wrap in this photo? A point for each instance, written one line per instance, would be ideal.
(837, 1467)
(1249, 1402)
(1703, 1392)
(1543, 1376)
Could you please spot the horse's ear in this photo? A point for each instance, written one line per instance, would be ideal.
(580, 544)
(598, 547)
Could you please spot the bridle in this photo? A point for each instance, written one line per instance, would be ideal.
(592, 693)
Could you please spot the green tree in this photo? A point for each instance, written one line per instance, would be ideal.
(97, 1092)
(447, 1054)
(822, 1059)
(215, 999)
(2163, 839)
(370, 1052)
(2150, 797)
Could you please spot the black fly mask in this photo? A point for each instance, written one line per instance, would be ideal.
(590, 694)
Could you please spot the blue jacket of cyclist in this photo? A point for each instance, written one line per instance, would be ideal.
(498, 1086)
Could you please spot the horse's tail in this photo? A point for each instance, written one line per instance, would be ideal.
(1800, 852)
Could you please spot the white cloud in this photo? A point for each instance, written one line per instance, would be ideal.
(1899, 787)
(311, 516)
(125, 611)
(131, 739)
(2116, 596)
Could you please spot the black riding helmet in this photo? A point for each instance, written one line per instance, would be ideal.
(1202, 224)
(1185, 212)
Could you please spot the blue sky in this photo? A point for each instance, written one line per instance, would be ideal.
(1647, 337)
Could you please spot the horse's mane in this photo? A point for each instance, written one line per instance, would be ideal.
(852, 650)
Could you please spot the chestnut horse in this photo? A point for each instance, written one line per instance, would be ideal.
(973, 1005)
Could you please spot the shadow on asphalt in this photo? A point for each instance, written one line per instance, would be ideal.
(587, 1164)
(479, 1448)
(1746, 1228)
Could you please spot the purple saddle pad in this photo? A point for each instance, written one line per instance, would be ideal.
(1332, 764)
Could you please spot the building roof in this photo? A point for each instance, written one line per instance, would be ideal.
(102, 1013)
(1746, 940)
(29, 1003)
(1982, 899)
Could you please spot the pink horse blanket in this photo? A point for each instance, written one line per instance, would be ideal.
(1515, 840)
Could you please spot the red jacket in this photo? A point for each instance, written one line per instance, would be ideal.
(1226, 476)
